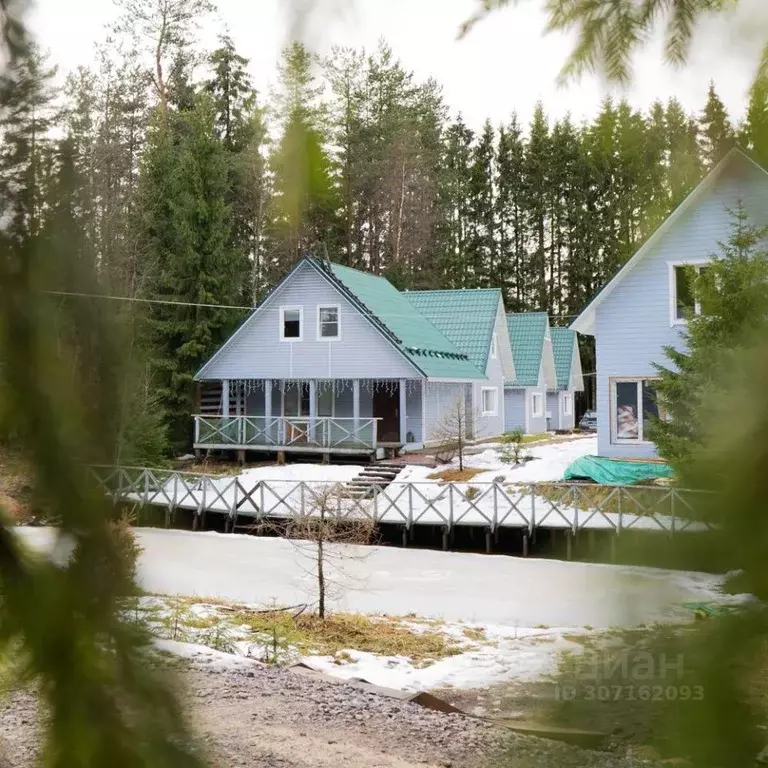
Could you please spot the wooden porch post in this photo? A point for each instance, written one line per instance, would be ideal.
(312, 408)
(225, 397)
(268, 406)
(403, 415)
(356, 407)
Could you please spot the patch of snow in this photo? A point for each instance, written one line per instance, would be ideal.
(301, 473)
(529, 656)
(201, 655)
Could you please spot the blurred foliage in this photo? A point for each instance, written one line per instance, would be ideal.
(609, 31)
(106, 704)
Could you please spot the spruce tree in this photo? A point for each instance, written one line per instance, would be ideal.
(754, 134)
(535, 175)
(186, 228)
(480, 249)
(732, 293)
(716, 135)
(510, 213)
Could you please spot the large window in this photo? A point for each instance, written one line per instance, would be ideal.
(328, 326)
(537, 405)
(291, 323)
(634, 406)
(683, 301)
(489, 402)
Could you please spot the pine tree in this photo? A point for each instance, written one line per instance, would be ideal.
(684, 165)
(716, 133)
(732, 292)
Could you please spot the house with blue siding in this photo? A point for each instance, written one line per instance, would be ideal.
(570, 379)
(643, 309)
(338, 361)
(525, 396)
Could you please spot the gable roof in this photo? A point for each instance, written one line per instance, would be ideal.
(563, 340)
(413, 333)
(465, 317)
(527, 332)
(585, 322)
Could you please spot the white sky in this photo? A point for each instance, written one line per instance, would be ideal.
(504, 65)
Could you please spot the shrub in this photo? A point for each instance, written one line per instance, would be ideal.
(513, 450)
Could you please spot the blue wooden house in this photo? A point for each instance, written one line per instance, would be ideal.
(570, 379)
(525, 395)
(338, 361)
(644, 307)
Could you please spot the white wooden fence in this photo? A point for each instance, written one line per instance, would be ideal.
(569, 507)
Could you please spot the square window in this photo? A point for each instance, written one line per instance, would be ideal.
(537, 405)
(290, 323)
(328, 323)
(489, 401)
(635, 407)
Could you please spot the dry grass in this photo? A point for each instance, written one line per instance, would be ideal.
(456, 475)
(15, 485)
(383, 635)
(218, 468)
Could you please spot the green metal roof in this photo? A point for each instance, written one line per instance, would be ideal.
(527, 331)
(563, 340)
(465, 317)
(423, 344)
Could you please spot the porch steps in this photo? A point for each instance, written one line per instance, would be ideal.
(378, 475)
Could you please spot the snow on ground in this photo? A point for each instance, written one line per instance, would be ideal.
(548, 464)
(520, 654)
(201, 655)
(305, 473)
(451, 586)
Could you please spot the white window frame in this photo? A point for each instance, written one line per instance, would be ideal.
(495, 392)
(283, 310)
(337, 337)
(672, 266)
(495, 346)
(537, 413)
(638, 381)
(567, 405)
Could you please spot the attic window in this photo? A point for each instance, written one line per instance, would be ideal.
(683, 301)
(328, 328)
(290, 323)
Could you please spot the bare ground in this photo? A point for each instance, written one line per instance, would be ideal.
(269, 718)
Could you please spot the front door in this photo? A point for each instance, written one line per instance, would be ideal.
(386, 406)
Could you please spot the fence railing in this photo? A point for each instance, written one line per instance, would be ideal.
(564, 506)
(285, 432)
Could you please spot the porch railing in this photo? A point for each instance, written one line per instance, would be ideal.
(285, 432)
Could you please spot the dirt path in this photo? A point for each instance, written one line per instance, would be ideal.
(268, 718)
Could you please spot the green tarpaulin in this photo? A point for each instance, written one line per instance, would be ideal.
(615, 471)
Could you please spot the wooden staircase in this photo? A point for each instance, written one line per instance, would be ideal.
(378, 475)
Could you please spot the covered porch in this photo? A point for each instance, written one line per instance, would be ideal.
(328, 416)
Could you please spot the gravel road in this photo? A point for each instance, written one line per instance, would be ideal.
(269, 718)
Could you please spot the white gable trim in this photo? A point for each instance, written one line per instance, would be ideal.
(576, 381)
(200, 375)
(585, 322)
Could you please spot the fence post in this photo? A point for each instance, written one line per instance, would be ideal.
(197, 430)
(672, 502)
